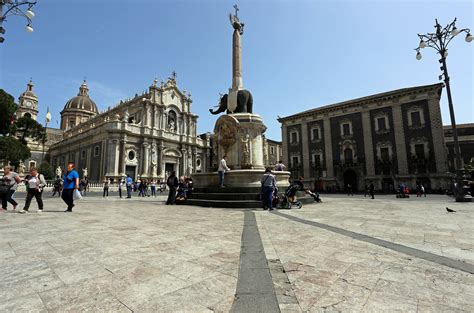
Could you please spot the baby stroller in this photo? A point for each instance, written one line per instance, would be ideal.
(283, 200)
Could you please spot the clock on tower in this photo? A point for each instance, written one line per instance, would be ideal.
(28, 103)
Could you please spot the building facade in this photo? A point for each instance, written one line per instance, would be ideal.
(148, 136)
(388, 138)
(466, 144)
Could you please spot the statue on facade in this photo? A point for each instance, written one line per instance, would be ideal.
(21, 168)
(84, 172)
(171, 126)
(59, 172)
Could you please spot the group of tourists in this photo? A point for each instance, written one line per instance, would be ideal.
(35, 184)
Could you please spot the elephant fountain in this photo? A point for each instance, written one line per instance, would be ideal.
(239, 101)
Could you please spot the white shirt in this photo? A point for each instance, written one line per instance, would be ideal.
(223, 166)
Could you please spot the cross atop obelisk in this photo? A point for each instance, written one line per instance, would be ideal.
(237, 82)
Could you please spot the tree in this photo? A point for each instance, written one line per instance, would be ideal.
(13, 150)
(29, 128)
(8, 108)
(46, 169)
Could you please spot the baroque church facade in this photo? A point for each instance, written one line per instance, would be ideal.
(147, 136)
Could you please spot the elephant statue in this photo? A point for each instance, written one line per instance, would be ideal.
(244, 103)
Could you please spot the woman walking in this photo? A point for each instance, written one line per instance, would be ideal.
(153, 188)
(35, 184)
(8, 185)
(106, 187)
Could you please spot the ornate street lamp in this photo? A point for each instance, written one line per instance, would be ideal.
(47, 120)
(440, 41)
(16, 7)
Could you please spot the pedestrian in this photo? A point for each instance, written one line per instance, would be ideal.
(83, 186)
(172, 183)
(128, 183)
(222, 168)
(106, 187)
(280, 166)
(8, 186)
(71, 183)
(153, 188)
(349, 190)
(120, 184)
(268, 186)
(35, 183)
(57, 186)
(423, 191)
(372, 189)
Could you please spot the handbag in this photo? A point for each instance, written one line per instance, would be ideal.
(4, 186)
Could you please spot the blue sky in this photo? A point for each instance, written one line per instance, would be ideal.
(297, 55)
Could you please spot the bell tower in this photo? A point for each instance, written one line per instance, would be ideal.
(28, 103)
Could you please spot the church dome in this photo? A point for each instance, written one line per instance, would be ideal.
(82, 101)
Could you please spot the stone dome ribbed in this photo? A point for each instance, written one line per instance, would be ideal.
(82, 101)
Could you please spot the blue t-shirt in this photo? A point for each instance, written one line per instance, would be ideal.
(129, 181)
(70, 179)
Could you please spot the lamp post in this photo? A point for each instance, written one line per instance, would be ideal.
(440, 41)
(47, 120)
(16, 7)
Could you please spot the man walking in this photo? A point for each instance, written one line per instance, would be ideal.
(371, 189)
(129, 182)
(71, 182)
(172, 183)
(222, 168)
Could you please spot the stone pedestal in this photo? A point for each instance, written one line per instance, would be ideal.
(239, 137)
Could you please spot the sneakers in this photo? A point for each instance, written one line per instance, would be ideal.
(23, 211)
(40, 211)
(2, 210)
(68, 211)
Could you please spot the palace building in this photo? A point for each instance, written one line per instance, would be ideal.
(147, 136)
(388, 138)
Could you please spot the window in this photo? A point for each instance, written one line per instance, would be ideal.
(96, 151)
(272, 150)
(294, 138)
(295, 161)
(83, 154)
(317, 160)
(131, 155)
(72, 158)
(385, 154)
(415, 119)
(348, 155)
(346, 129)
(32, 164)
(381, 123)
(315, 134)
(72, 123)
(420, 151)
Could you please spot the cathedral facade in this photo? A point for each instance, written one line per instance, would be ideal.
(147, 136)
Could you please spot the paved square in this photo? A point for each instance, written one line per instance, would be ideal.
(141, 255)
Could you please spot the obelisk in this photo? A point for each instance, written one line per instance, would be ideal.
(237, 82)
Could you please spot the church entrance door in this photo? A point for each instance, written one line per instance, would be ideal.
(131, 171)
(350, 177)
(169, 167)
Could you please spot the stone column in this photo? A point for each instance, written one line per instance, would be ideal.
(306, 155)
(237, 82)
(438, 135)
(110, 158)
(145, 159)
(284, 144)
(160, 164)
(400, 146)
(328, 148)
(368, 145)
(184, 161)
(123, 156)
